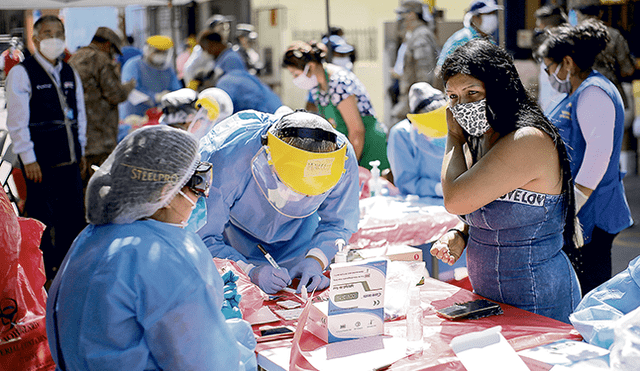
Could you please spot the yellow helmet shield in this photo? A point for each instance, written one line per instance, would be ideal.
(308, 173)
(431, 124)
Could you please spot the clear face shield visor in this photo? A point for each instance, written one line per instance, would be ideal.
(295, 181)
(205, 118)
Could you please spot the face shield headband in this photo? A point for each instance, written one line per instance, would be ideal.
(308, 173)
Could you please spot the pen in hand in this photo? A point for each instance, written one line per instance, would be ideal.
(269, 257)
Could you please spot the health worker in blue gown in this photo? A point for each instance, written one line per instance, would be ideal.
(248, 92)
(290, 184)
(153, 74)
(416, 144)
(136, 291)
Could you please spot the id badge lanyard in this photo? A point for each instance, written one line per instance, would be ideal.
(68, 116)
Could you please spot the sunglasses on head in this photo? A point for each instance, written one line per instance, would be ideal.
(200, 181)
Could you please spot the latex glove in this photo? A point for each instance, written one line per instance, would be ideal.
(310, 273)
(270, 279)
(158, 96)
(231, 303)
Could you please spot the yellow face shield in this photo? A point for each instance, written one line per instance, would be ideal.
(211, 105)
(308, 173)
(431, 124)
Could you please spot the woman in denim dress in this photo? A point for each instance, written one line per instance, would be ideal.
(507, 174)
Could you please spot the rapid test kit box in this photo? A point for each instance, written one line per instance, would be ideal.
(356, 300)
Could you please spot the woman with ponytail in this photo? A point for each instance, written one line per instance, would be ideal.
(507, 174)
(591, 122)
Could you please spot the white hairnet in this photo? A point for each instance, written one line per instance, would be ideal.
(142, 174)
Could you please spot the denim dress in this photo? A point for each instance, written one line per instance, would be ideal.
(514, 254)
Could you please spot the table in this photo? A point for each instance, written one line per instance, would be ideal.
(403, 220)
(522, 329)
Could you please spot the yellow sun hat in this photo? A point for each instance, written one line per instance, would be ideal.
(308, 173)
(160, 42)
(432, 124)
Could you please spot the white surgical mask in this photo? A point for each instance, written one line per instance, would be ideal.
(343, 62)
(185, 222)
(489, 23)
(562, 86)
(52, 48)
(472, 117)
(305, 82)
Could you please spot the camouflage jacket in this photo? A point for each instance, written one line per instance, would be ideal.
(103, 91)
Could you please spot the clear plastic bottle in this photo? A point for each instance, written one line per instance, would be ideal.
(414, 321)
(375, 183)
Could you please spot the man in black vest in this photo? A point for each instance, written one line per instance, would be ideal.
(47, 123)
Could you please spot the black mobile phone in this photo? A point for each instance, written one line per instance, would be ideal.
(471, 310)
(277, 332)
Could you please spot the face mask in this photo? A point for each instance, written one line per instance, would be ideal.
(472, 117)
(52, 48)
(305, 82)
(343, 62)
(562, 86)
(198, 217)
(193, 206)
(157, 60)
(489, 23)
(573, 17)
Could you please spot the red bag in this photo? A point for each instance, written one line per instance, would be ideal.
(23, 299)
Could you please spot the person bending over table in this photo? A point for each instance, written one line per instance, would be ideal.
(514, 193)
(416, 144)
(290, 184)
(136, 291)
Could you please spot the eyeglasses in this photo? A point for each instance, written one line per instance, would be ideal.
(200, 181)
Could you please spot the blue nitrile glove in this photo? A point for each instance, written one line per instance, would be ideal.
(310, 273)
(270, 279)
(231, 304)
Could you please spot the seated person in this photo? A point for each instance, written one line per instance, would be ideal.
(137, 291)
(290, 184)
(416, 144)
(596, 315)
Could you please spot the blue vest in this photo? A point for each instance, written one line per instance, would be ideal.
(55, 140)
(607, 206)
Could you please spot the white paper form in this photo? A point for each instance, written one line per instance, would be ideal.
(487, 350)
(570, 355)
(136, 97)
(365, 354)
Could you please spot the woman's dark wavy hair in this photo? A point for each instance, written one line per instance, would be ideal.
(582, 43)
(509, 106)
(299, 53)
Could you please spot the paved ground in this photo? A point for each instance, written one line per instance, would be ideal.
(626, 245)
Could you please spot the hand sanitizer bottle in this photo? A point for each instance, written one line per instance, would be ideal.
(414, 321)
(375, 183)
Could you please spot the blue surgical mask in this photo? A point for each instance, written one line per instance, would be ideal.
(198, 217)
(573, 17)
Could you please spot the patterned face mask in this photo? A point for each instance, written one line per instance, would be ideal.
(472, 117)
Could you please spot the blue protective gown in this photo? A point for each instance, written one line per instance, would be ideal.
(150, 81)
(141, 296)
(240, 216)
(596, 315)
(248, 92)
(229, 60)
(416, 161)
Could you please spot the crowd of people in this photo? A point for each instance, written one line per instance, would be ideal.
(214, 165)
